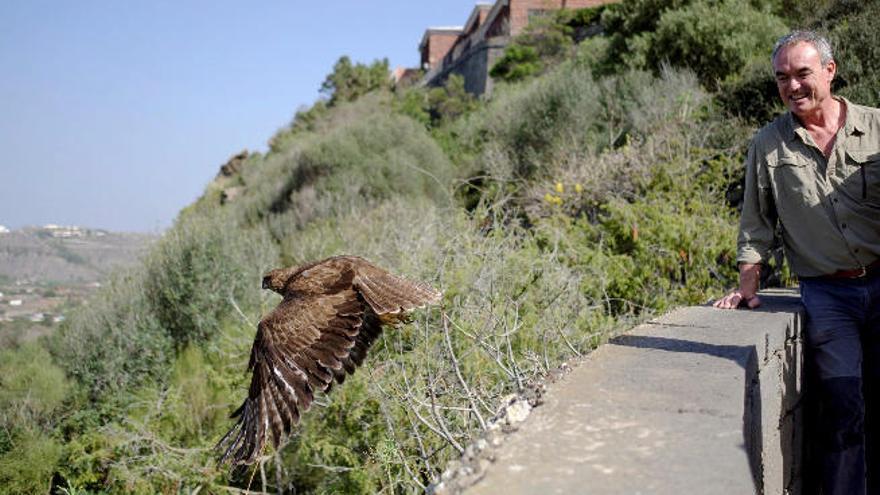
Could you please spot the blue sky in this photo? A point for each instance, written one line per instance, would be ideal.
(116, 114)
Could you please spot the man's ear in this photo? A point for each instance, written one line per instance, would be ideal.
(831, 67)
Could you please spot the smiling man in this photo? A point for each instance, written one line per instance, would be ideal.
(815, 172)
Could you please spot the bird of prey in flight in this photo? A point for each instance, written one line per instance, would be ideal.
(332, 312)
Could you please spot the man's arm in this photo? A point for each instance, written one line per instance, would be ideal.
(747, 294)
(757, 226)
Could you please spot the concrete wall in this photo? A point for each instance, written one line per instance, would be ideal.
(697, 401)
(773, 415)
(474, 66)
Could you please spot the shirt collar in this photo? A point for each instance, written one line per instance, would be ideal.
(852, 124)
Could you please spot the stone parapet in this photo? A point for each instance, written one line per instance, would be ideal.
(698, 401)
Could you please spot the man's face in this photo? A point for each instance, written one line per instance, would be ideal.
(802, 81)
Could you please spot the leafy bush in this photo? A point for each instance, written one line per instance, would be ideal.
(200, 269)
(714, 38)
(436, 106)
(568, 116)
(31, 387)
(413, 103)
(672, 244)
(354, 166)
(28, 466)
(752, 94)
(305, 120)
(521, 130)
(115, 341)
(450, 102)
(518, 62)
(856, 42)
(626, 24)
(349, 82)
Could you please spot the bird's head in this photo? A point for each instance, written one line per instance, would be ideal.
(275, 280)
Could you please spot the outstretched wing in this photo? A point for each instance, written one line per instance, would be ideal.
(301, 346)
(389, 294)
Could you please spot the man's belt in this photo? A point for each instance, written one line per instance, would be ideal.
(855, 273)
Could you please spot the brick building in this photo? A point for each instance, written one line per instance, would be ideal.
(436, 43)
(471, 50)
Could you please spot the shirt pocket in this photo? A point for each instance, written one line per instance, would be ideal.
(794, 183)
(863, 175)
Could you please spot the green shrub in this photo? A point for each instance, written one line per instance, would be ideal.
(518, 62)
(305, 120)
(115, 341)
(714, 39)
(856, 41)
(524, 127)
(413, 103)
(568, 116)
(626, 24)
(354, 166)
(31, 386)
(437, 106)
(349, 82)
(27, 468)
(161, 438)
(752, 95)
(202, 268)
(450, 101)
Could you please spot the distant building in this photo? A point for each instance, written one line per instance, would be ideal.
(15, 302)
(436, 43)
(3, 230)
(473, 49)
(61, 231)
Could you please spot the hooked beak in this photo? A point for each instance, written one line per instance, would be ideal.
(265, 282)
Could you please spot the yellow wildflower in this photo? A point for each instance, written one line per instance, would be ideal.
(578, 188)
(560, 188)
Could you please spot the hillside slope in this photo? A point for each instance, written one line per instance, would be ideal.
(35, 255)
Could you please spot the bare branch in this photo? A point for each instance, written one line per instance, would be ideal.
(457, 369)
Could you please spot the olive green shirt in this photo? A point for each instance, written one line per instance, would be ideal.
(828, 209)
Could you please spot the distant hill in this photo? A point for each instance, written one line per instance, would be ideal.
(66, 255)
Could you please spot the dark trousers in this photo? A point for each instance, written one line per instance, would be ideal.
(843, 338)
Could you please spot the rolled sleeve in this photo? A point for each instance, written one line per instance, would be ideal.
(758, 221)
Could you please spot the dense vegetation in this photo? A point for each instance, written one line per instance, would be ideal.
(596, 187)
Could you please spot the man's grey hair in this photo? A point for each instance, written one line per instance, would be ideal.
(819, 42)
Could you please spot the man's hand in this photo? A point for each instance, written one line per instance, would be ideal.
(746, 296)
(736, 300)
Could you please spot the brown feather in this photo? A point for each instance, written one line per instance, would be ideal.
(332, 312)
